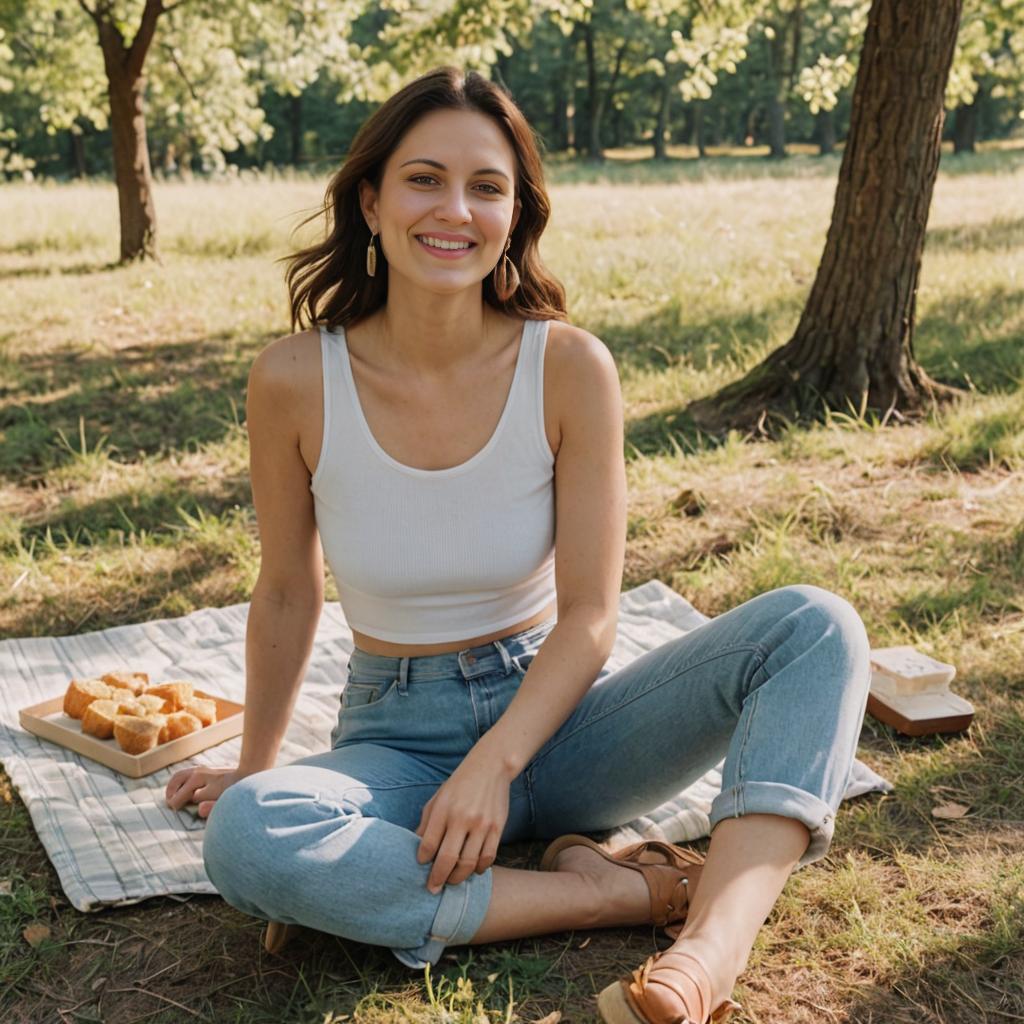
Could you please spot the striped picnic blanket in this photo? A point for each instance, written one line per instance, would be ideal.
(114, 841)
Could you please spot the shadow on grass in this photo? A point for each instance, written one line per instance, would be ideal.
(107, 602)
(146, 399)
(150, 511)
(991, 591)
(998, 233)
(59, 269)
(975, 338)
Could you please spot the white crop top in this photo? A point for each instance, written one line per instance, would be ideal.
(434, 555)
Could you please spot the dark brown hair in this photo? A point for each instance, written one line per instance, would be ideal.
(333, 272)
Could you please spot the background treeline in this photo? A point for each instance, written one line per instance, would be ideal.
(256, 83)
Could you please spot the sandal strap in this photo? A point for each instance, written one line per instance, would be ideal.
(636, 992)
(637, 989)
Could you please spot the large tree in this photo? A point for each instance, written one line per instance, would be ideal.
(853, 346)
(195, 65)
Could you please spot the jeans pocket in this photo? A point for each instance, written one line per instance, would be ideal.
(357, 695)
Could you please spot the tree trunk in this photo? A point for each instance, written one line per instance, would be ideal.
(776, 100)
(660, 128)
(126, 88)
(965, 126)
(570, 89)
(594, 101)
(78, 165)
(827, 131)
(131, 167)
(698, 129)
(295, 126)
(853, 346)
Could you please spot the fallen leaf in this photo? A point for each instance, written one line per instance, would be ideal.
(551, 1018)
(6, 886)
(949, 811)
(34, 934)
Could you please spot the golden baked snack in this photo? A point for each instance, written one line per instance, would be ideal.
(98, 719)
(81, 693)
(181, 723)
(203, 708)
(136, 735)
(121, 706)
(151, 702)
(175, 694)
(134, 681)
(161, 720)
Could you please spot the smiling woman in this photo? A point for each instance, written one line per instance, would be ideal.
(498, 183)
(454, 449)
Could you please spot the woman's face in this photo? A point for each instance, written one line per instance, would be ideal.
(447, 201)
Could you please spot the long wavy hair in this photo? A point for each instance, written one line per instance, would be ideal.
(328, 283)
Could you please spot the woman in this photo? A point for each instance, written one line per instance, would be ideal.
(458, 447)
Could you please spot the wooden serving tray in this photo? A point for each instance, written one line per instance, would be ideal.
(49, 721)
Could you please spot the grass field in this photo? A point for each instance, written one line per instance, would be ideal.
(124, 497)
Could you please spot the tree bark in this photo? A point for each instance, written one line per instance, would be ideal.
(698, 139)
(776, 99)
(126, 88)
(965, 126)
(295, 127)
(827, 131)
(853, 346)
(78, 164)
(594, 149)
(664, 103)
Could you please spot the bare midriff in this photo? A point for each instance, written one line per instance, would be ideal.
(374, 646)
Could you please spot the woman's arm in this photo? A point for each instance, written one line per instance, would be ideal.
(590, 540)
(462, 823)
(288, 595)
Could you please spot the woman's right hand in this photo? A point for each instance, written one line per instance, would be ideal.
(200, 784)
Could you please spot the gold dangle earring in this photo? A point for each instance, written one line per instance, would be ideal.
(506, 277)
(371, 256)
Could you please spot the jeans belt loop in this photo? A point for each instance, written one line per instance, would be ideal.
(403, 676)
(506, 658)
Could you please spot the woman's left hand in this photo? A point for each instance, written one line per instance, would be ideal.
(462, 823)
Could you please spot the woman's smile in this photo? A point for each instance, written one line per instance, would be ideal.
(445, 248)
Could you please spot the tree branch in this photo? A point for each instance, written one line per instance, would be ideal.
(181, 71)
(88, 10)
(136, 56)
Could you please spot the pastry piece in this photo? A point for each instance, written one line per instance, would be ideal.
(175, 694)
(99, 717)
(131, 706)
(151, 702)
(81, 693)
(136, 735)
(120, 693)
(181, 723)
(134, 681)
(161, 721)
(205, 710)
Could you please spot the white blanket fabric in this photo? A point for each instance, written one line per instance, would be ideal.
(114, 841)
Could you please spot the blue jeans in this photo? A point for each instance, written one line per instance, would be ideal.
(777, 686)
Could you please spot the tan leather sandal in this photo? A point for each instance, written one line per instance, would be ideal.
(628, 1001)
(671, 873)
(278, 935)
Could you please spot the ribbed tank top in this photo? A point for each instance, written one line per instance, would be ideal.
(434, 555)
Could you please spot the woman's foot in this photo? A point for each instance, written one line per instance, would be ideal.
(678, 986)
(669, 874)
(621, 896)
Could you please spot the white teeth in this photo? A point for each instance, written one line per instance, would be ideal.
(440, 243)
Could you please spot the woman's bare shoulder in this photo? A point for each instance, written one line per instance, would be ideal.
(288, 361)
(572, 351)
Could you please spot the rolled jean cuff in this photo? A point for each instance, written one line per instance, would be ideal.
(459, 915)
(786, 801)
